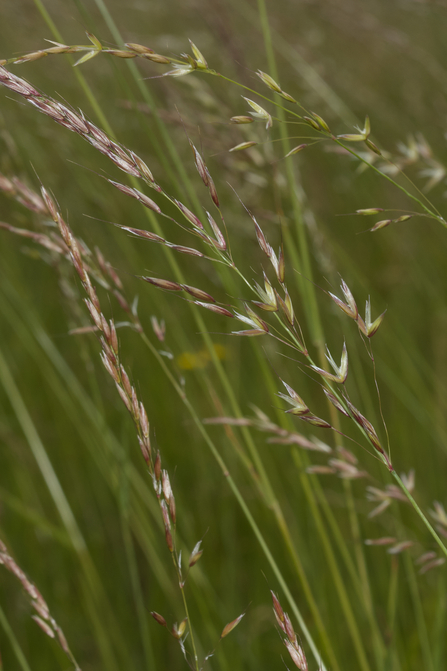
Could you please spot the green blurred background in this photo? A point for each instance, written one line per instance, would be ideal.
(342, 59)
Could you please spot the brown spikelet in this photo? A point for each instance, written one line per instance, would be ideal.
(163, 284)
(231, 625)
(138, 48)
(198, 293)
(215, 308)
(159, 618)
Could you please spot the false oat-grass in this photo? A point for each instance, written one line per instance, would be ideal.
(267, 310)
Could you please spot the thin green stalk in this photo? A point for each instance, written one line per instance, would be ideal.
(234, 488)
(379, 648)
(137, 589)
(333, 567)
(15, 645)
(439, 627)
(191, 633)
(420, 513)
(357, 579)
(313, 316)
(391, 611)
(361, 578)
(419, 613)
(301, 66)
(64, 510)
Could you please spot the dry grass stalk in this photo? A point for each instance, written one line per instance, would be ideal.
(291, 641)
(43, 619)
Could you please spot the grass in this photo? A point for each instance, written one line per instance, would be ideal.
(281, 464)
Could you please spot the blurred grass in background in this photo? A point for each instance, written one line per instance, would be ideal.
(104, 566)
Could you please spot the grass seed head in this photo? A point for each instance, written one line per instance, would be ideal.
(287, 97)
(195, 221)
(195, 555)
(373, 147)
(200, 58)
(139, 233)
(320, 470)
(124, 397)
(179, 629)
(268, 296)
(157, 466)
(252, 319)
(381, 224)
(400, 547)
(159, 328)
(200, 165)
(159, 618)
(145, 173)
(215, 308)
(185, 250)
(370, 210)
(321, 122)
(147, 202)
(198, 293)
(43, 625)
(439, 513)
(431, 565)
(296, 150)
(262, 242)
(144, 422)
(269, 81)
(166, 485)
(220, 241)
(213, 190)
(163, 284)
(157, 58)
(427, 556)
(335, 402)
(286, 306)
(169, 541)
(385, 540)
(281, 272)
(316, 421)
(241, 120)
(297, 655)
(138, 48)
(231, 625)
(277, 608)
(145, 451)
(341, 372)
(312, 122)
(299, 407)
(120, 53)
(243, 145)
(371, 328)
(259, 112)
(165, 513)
